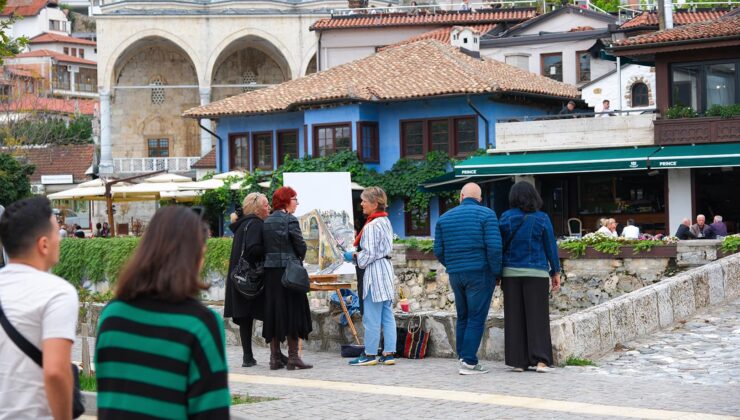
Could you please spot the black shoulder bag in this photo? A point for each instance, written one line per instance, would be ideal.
(295, 278)
(248, 277)
(78, 403)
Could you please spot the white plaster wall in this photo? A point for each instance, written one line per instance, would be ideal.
(564, 23)
(30, 26)
(59, 47)
(679, 197)
(568, 49)
(342, 46)
(608, 88)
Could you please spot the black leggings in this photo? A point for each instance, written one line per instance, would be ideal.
(245, 333)
(527, 321)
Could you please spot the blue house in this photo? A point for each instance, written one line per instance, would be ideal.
(404, 101)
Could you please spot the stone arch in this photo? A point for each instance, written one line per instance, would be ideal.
(634, 80)
(247, 60)
(255, 38)
(310, 63)
(130, 45)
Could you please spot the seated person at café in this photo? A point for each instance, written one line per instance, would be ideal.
(569, 109)
(718, 227)
(684, 230)
(608, 228)
(701, 230)
(631, 231)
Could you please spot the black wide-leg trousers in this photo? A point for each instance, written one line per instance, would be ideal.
(526, 321)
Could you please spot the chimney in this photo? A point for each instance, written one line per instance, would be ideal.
(466, 39)
(668, 5)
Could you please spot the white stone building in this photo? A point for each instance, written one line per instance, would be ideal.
(635, 91)
(38, 16)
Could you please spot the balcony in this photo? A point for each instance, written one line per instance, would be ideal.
(143, 165)
(697, 130)
(589, 131)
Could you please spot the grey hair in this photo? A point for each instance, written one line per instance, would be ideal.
(249, 205)
(718, 218)
(375, 195)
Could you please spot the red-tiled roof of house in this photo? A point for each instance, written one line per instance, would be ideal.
(24, 8)
(30, 103)
(439, 18)
(680, 17)
(74, 159)
(48, 38)
(443, 34)
(422, 69)
(724, 28)
(57, 56)
(20, 72)
(208, 161)
(581, 29)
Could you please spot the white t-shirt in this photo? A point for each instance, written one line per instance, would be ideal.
(605, 230)
(40, 306)
(631, 232)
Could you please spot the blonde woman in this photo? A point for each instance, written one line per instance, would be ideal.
(373, 246)
(608, 228)
(247, 244)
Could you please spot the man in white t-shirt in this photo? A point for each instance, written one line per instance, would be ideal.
(43, 308)
(631, 231)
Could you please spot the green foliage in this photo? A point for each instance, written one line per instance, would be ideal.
(216, 202)
(577, 361)
(95, 259)
(88, 383)
(731, 244)
(42, 129)
(9, 47)
(610, 6)
(608, 247)
(575, 247)
(644, 246)
(680, 111)
(422, 245)
(101, 259)
(15, 179)
(724, 111)
(237, 399)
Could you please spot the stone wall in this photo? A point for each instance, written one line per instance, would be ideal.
(697, 252)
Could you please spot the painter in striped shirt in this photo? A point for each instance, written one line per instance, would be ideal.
(376, 244)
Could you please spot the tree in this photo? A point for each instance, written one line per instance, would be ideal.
(8, 46)
(15, 179)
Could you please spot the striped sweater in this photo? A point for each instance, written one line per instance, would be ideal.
(376, 244)
(161, 360)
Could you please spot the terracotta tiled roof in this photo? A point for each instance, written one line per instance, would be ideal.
(680, 17)
(57, 56)
(20, 72)
(581, 29)
(54, 105)
(443, 34)
(57, 160)
(726, 27)
(208, 161)
(440, 18)
(48, 37)
(24, 7)
(425, 68)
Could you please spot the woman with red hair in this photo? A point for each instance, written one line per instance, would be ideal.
(287, 314)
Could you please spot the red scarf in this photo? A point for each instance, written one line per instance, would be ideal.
(369, 219)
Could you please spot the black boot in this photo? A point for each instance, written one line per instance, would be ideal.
(294, 361)
(275, 362)
(245, 332)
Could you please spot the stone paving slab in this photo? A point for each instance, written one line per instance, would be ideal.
(699, 350)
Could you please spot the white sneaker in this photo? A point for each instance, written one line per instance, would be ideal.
(541, 368)
(466, 369)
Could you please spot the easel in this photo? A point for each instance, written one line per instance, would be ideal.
(324, 282)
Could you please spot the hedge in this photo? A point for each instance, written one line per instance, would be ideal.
(101, 259)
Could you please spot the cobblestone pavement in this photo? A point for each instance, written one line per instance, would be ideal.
(703, 350)
(624, 385)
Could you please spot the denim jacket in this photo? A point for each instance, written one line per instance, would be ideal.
(534, 245)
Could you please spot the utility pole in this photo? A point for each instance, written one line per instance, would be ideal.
(109, 196)
(661, 14)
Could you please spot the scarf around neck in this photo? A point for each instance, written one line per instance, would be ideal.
(370, 218)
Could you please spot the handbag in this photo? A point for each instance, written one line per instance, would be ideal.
(248, 277)
(78, 402)
(295, 277)
(412, 341)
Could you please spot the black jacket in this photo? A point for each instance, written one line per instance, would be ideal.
(247, 232)
(282, 239)
(684, 232)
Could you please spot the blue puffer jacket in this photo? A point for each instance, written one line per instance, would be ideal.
(467, 238)
(534, 245)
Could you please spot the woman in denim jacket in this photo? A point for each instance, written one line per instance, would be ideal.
(530, 261)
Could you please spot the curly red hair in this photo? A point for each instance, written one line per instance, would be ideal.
(281, 197)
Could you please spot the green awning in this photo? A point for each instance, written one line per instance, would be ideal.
(443, 183)
(568, 161)
(696, 156)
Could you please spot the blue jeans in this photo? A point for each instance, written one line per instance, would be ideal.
(379, 314)
(473, 291)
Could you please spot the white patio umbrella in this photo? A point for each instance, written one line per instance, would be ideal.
(153, 187)
(91, 190)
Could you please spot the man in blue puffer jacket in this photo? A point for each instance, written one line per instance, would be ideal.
(467, 242)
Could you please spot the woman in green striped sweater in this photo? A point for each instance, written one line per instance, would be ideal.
(160, 353)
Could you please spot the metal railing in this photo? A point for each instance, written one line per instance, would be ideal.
(625, 13)
(141, 165)
(437, 8)
(612, 113)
